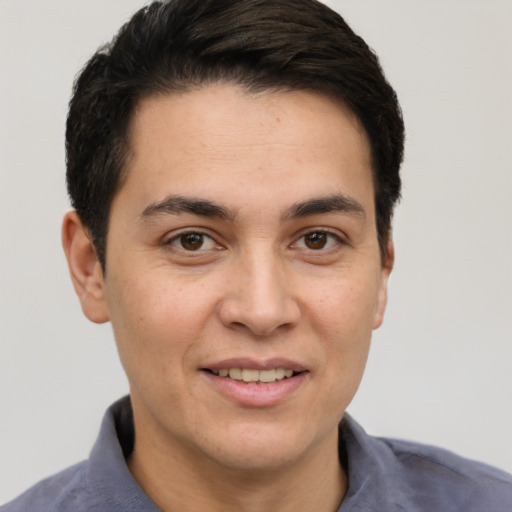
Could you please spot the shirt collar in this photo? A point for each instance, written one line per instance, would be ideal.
(367, 460)
(373, 481)
(107, 472)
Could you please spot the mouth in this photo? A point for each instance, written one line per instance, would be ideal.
(256, 383)
(252, 376)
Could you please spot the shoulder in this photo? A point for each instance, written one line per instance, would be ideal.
(62, 492)
(101, 483)
(443, 480)
(416, 477)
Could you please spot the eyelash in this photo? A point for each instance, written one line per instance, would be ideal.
(179, 239)
(329, 235)
(324, 232)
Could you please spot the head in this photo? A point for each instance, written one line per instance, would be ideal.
(179, 46)
(234, 174)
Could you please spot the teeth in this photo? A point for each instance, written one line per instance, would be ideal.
(235, 373)
(267, 375)
(250, 375)
(261, 376)
(280, 373)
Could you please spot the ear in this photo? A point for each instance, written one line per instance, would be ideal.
(84, 267)
(388, 261)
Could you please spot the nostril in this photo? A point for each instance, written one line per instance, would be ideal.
(258, 311)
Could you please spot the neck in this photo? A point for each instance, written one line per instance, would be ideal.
(177, 479)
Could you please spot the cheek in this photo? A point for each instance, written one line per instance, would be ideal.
(345, 309)
(157, 320)
(343, 316)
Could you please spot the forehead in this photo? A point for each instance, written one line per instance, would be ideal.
(223, 106)
(221, 137)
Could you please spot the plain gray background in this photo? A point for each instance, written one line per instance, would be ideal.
(440, 370)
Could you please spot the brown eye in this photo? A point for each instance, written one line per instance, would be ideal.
(316, 240)
(192, 244)
(191, 241)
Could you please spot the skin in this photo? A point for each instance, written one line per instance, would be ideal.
(254, 287)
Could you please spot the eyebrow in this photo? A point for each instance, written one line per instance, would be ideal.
(176, 204)
(329, 204)
(179, 204)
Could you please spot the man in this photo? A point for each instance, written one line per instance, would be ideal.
(233, 166)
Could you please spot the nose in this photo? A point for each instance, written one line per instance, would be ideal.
(258, 298)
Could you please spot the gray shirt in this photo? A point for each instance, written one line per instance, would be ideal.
(384, 475)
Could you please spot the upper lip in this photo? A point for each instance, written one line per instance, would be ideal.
(257, 364)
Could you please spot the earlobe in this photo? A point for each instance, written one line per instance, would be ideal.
(84, 268)
(386, 268)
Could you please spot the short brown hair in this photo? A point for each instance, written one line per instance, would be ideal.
(259, 44)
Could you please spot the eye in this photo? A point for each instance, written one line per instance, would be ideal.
(318, 240)
(192, 241)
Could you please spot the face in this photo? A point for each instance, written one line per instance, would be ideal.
(243, 274)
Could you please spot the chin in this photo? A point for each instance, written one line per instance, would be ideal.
(263, 447)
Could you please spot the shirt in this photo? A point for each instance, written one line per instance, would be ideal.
(384, 475)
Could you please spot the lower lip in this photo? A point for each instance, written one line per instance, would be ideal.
(256, 395)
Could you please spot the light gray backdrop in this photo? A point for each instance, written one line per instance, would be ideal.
(440, 370)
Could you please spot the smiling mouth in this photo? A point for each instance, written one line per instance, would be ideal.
(248, 376)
